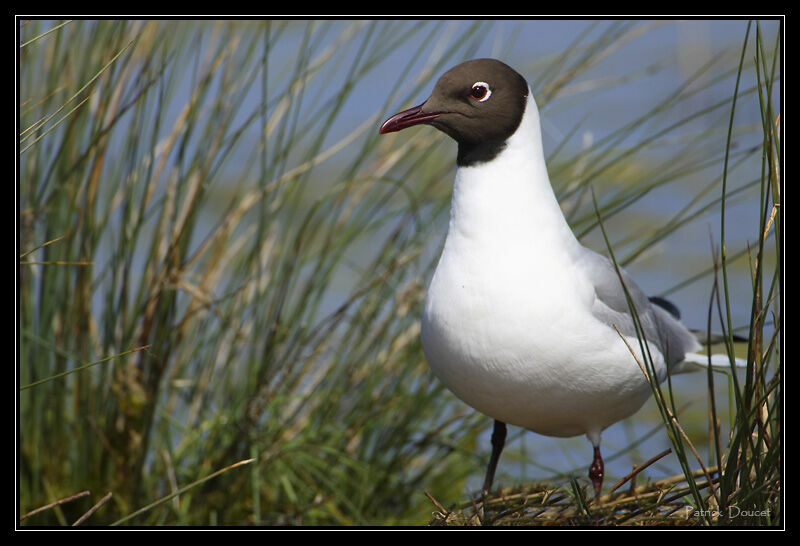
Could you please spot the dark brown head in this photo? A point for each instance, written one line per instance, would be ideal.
(478, 103)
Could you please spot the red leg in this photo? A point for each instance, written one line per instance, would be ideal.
(596, 471)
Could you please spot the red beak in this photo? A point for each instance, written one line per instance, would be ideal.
(407, 118)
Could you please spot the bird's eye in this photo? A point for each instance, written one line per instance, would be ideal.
(480, 91)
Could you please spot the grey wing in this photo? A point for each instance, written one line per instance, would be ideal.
(659, 327)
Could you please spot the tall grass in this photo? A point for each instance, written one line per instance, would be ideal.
(748, 463)
(275, 310)
(221, 271)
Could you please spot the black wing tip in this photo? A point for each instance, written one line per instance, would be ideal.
(667, 305)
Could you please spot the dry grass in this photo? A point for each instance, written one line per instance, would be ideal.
(663, 503)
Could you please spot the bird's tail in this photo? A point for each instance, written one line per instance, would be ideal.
(694, 361)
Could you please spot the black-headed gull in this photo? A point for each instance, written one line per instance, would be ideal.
(521, 321)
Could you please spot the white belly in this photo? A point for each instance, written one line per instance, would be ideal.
(521, 346)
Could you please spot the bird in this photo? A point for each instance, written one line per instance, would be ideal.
(521, 321)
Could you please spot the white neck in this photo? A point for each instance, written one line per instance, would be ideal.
(509, 200)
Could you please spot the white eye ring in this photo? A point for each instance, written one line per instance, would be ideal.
(486, 87)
